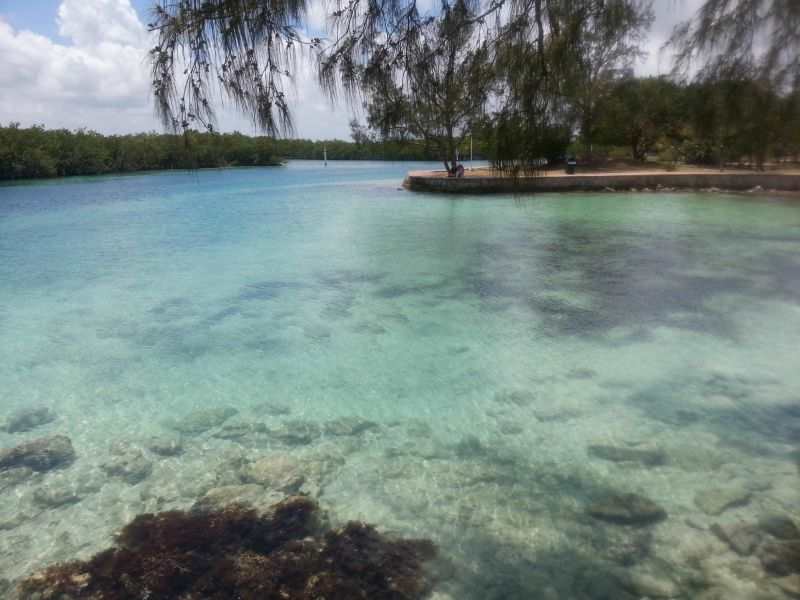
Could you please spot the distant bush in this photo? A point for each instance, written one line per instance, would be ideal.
(32, 152)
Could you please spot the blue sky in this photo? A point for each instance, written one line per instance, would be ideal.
(39, 15)
(82, 63)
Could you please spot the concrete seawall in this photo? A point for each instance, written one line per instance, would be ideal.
(427, 181)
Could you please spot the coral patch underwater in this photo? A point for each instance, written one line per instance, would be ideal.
(238, 553)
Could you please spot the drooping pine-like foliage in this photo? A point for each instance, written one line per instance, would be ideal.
(745, 39)
(527, 74)
(243, 48)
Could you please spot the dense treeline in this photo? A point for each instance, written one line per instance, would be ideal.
(37, 152)
(731, 121)
(639, 119)
(738, 122)
(32, 152)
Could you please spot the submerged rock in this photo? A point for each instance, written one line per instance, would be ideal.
(582, 373)
(239, 430)
(273, 409)
(28, 418)
(277, 471)
(779, 526)
(649, 585)
(345, 426)
(626, 546)
(315, 331)
(237, 553)
(717, 500)
(249, 494)
(12, 522)
(650, 458)
(297, 432)
(129, 464)
(165, 445)
(13, 477)
(741, 538)
(200, 421)
(790, 585)
(42, 454)
(54, 495)
(780, 558)
(556, 411)
(470, 446)
(626, 509)
(511, 428)
(515, 397)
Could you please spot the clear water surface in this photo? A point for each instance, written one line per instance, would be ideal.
(438, 366)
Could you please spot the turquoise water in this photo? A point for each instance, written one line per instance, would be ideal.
(480, 344)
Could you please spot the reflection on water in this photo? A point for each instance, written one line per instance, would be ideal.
(576, 396)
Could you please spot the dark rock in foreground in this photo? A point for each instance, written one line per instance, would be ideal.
(627, 509)
(29, 418)
(780, 558)
(780, 527)
(650, 458)
(41, 454)
(741, 538)
(237, 553)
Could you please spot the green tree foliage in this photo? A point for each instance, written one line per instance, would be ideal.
(740, 119)
(640, 113)
(442, 89)
(597, 48)
(707, 122)
(555, 68)
(37, 152)
(747, 56)
(33, 152)
(757, 39)
(425, 71)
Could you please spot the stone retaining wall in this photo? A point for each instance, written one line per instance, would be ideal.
(427, 182)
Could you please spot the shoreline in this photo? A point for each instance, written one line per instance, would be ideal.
(486, 182)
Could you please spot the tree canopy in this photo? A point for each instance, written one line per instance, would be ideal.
(527, 68)
(435, 72)
(756, 39)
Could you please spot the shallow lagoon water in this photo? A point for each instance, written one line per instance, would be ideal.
(478, 347)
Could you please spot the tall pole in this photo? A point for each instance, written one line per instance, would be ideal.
(325, 154)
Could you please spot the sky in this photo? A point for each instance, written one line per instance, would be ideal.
(82, 63)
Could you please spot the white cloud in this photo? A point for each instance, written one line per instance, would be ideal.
(100, 79)
(96, 22)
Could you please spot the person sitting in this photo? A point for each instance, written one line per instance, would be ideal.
(459, 170)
